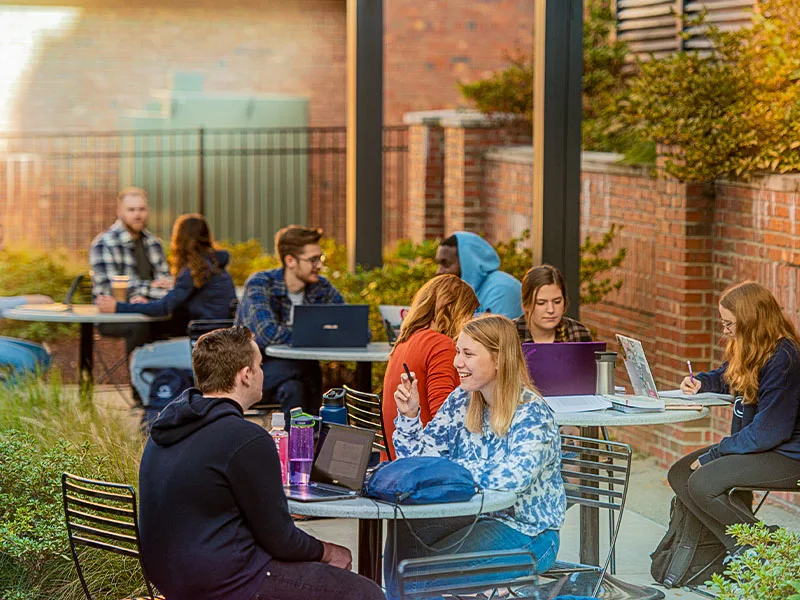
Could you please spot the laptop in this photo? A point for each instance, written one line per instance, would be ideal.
(392, 317)
(330, 326)
(563, 369)
(339, 466)
(643, 383)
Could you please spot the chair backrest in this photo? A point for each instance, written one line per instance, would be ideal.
(602, 469)
(198, 327)
(80, 290)
(364, 410)
(491, 574)
(103, 516)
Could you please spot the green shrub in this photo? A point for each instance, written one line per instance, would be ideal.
(732, 113)
(30, 271)
(44, 431)
(770, 571)
(510, 91)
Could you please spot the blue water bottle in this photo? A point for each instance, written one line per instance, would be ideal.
(333, 409)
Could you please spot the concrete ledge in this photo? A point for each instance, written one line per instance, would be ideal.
(785, 182)
(592, 162)
(465, 118)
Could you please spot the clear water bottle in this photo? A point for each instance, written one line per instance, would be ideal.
(301, 447)
(281, 438)
(333, 409)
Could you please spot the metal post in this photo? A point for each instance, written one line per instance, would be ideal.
(364, 133)
(558, 67)
(201, 184)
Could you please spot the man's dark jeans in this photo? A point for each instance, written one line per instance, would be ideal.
(293, 383)
(315, 581)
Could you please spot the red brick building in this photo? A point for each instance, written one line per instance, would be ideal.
(80, 66)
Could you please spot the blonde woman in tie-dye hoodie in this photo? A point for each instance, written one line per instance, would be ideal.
(500, 429)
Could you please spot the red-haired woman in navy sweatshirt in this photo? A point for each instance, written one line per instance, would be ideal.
(762, 370)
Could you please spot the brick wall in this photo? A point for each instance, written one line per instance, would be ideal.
(685, 243)
(78, 66)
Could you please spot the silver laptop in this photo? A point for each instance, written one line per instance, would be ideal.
(643, 383)
(339, 467)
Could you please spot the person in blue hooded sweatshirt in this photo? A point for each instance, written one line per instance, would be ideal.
(472, 258)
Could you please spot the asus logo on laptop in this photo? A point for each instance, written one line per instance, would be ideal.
(330, 326)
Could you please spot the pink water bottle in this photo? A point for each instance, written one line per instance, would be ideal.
(281, 438)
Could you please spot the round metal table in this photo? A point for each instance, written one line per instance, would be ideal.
(590, 423)
(370, 513)
(363, 357)
(87, 315)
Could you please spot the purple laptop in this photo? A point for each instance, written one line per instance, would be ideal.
(565, 369)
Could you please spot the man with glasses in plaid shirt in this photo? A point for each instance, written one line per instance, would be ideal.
(267, 309)
(128, 248)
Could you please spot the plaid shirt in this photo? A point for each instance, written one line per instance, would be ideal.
(265, 307)
(569, 330)
(112, 254)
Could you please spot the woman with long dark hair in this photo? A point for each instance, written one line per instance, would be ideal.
(203, 288)
(544, 302)
(762, 371)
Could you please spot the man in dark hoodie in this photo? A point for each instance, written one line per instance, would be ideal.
(214, 519)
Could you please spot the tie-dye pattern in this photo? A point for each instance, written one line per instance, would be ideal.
(527, 460)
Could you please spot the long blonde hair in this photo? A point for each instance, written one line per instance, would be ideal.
(444, 303)
(498, 335)
(760, 325)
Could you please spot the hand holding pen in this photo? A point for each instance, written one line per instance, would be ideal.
(690, 385)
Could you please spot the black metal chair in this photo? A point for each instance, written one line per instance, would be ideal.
(102, 516)
(364, 410)
(602, 468)
(509, 573)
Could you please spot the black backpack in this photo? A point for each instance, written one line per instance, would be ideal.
(689, 552)
(167, 385)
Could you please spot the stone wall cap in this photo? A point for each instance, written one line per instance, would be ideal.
(776, 182)
(607, 162)
(466, 118)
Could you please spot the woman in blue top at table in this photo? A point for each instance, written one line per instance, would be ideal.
(203, 288)
(762, 369)
(500, 429)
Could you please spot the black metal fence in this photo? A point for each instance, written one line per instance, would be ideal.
(60, 190)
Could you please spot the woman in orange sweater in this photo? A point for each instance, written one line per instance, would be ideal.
(426, 346)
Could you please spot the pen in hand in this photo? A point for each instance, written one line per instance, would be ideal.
(691, 375)
(408, 373)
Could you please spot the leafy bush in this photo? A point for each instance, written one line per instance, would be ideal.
(510, 91)
(30, 271)
(771, 570)
(732, 113)
(44, 431)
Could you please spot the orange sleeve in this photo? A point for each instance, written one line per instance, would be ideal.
(442, 377)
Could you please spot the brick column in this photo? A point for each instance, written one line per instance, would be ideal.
(467, 136)
(425, 176)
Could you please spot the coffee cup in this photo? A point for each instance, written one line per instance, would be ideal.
(119, 287)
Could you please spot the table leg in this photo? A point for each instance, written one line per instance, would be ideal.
(590, 517)
(86, 353)
(364, 376)
(370, 548)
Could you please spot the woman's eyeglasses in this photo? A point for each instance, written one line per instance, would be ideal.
(728, 326)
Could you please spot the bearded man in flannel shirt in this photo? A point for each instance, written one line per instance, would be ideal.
(267, 309)
(128, 248)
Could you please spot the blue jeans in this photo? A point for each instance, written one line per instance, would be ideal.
(444, 535)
